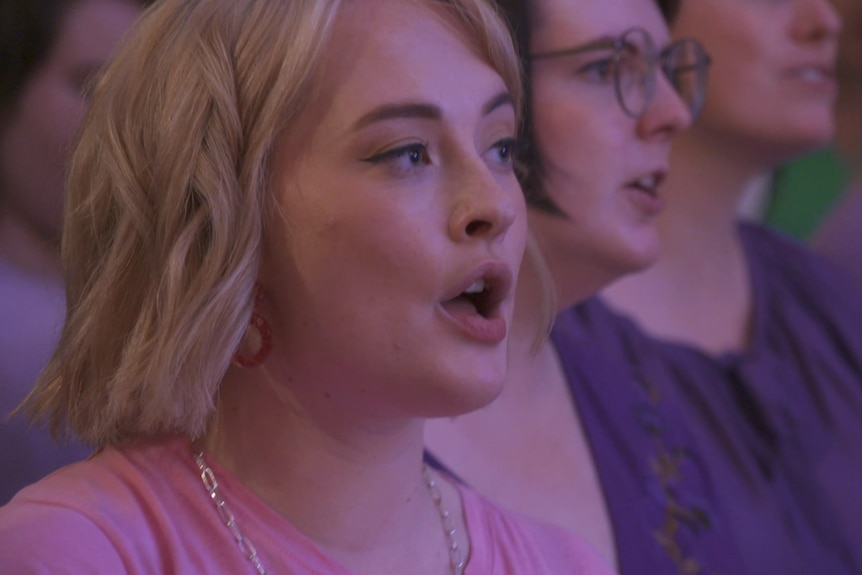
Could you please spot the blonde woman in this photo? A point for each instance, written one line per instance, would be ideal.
(292, 235)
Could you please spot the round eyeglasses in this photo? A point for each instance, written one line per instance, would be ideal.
(633, 63)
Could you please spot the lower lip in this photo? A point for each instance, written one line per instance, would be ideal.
(489, 330)
(825, 85)
(649, 204)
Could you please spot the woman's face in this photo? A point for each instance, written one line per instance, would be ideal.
(34, 146)
(772, 84)
(602, 167)
(403, 223)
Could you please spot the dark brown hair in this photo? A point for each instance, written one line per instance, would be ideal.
(518, 14)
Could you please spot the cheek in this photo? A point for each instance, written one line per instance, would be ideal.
(582, 164)
(368, 252)
(734, 34)
(740, 84)
(373, 283)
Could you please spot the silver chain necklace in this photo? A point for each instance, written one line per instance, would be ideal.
(247, 547)
(456, 559)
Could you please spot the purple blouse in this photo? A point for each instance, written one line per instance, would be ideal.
(746, 463)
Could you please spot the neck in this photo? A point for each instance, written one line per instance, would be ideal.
(702, 256)
(357, 490)
(698, 227)
(708, 178)
(567, 261)
(26, 249)
(532, 376)
(707, 182)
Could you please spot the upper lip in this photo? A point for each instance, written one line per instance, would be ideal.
(498, 279)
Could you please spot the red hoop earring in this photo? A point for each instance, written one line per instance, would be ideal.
(257, 341)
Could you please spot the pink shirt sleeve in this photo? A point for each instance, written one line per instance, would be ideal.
(77, 545)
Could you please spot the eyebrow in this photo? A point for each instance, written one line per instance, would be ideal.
(603, 43)
(498, 101)
(423, 111)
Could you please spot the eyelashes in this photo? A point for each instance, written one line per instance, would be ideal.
(602, 71)
(413, 154)
(405, 158)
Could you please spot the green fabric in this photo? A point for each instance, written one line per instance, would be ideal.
(804, 191)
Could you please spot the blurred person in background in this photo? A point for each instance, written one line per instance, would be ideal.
(808, 192)
(840, 235)
(754, 335)
(50, 53)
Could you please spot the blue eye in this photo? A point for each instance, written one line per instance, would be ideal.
(403, 158)
(505, 150)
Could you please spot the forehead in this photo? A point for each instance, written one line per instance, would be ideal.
(370, 34)
(400, 50)
(562, 23)
(375, 26)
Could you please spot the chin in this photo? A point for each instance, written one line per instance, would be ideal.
(469, 390)
(807, 129)
(815, 129)
(640, 260)
(792, 145)
(590, 269)
(636, 253)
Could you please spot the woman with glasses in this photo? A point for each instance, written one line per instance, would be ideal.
(569, 439)
(756, 339)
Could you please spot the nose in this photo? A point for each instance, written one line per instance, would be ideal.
(667, 115)
(486, 205)
(817, 20)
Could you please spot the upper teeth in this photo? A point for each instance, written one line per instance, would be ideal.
(811, 74)
(477, 287)
(648, 182)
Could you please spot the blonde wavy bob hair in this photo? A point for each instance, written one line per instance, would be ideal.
(167, 203)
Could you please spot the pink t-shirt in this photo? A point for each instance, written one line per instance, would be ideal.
(144, 510)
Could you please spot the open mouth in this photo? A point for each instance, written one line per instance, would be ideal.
(476, 299)
(648, 184)
(477, 309)
(815, 73)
